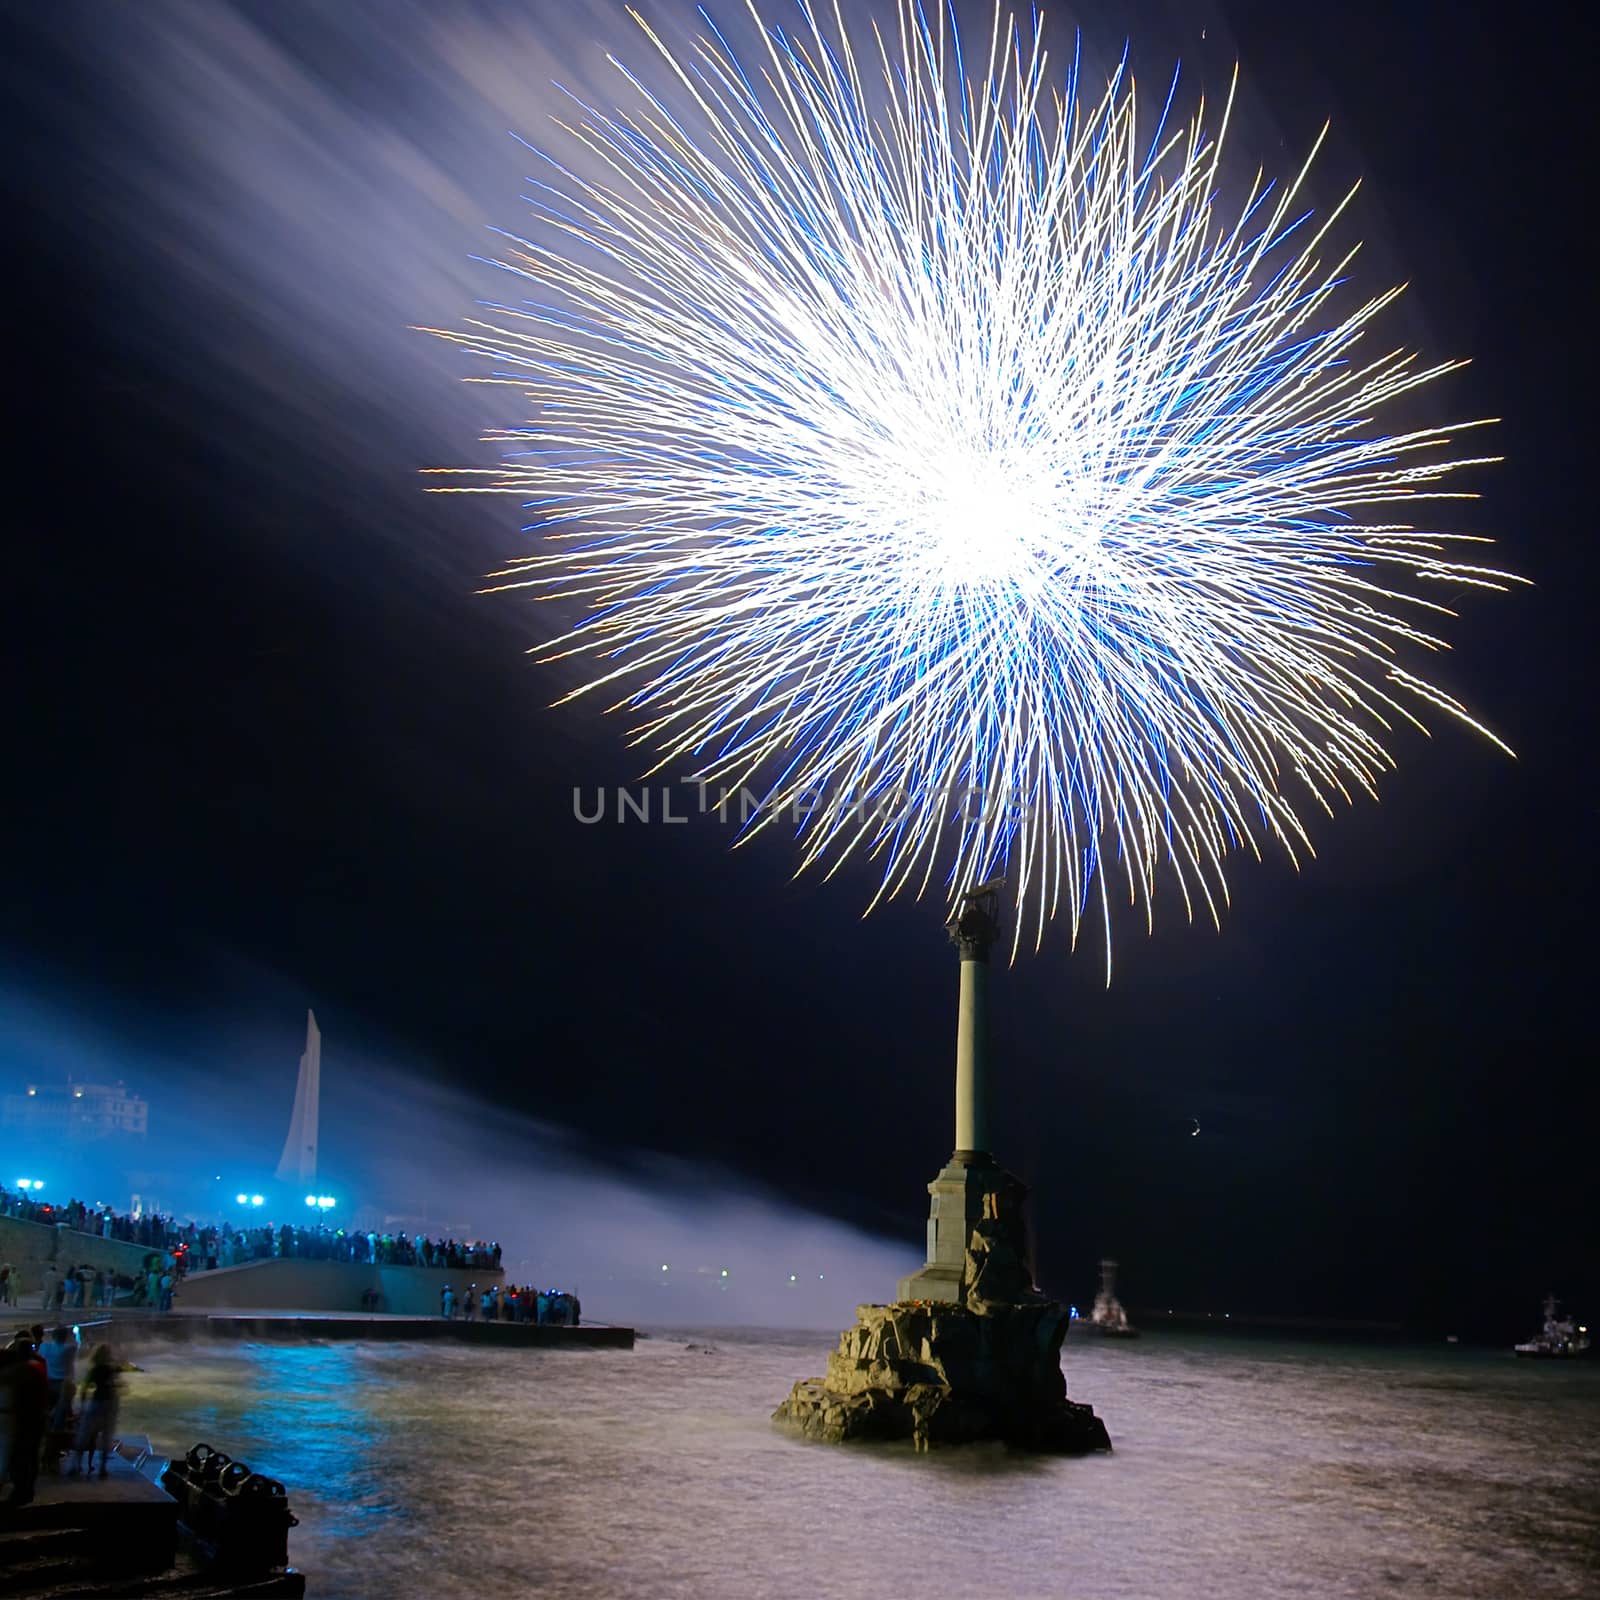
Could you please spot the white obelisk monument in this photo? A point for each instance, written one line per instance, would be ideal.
(298, 1163)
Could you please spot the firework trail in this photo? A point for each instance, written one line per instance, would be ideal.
(934, 455)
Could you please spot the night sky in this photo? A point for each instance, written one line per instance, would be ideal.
(268, 748)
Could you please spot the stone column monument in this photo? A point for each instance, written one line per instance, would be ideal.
(969, 1349)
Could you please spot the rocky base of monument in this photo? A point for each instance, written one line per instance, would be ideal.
(938, 1373)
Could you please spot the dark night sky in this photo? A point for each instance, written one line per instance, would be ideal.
(261, 725)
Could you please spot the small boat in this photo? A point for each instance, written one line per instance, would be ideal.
(1107, 1318)
(1560, 1339)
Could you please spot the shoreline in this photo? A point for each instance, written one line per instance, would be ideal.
(317, 1326)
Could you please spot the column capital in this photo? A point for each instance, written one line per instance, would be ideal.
(976, 924)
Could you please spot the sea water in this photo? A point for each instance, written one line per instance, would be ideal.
(1243, 1469)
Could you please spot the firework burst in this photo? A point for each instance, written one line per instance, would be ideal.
(936, 456)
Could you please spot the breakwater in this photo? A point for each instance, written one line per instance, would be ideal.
(302, 1327)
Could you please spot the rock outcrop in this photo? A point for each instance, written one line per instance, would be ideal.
(944, 1374)
(985, 1365)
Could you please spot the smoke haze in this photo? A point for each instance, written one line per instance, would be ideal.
(404, 1153)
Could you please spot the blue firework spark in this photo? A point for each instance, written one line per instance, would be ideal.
(935, 456)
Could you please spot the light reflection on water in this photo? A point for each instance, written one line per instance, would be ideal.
(1246, 1470)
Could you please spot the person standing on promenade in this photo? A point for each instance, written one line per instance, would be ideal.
(98, 1420)
(60, 1352)
(8, 1405)
(24, 1392)
(47, 1295)
(447, 1303)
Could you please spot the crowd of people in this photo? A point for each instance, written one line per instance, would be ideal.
(227, 1246)
(90, 1287)
(181, 1248)
(47, 1415)
(149, 1228)
(511, 1302)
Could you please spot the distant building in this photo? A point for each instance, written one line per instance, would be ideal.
(74, 1110)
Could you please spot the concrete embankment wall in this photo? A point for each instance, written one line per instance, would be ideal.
(29, 1247)
(290, 1285)
(275, 1285)
(134, 1333)
(25, 1247)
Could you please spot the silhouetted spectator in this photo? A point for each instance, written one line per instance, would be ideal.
(60, 1352)
(25, 1396)
(98, 1421)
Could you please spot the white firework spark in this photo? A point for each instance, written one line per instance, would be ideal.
(935, 459)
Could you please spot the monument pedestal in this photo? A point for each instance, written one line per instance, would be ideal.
(971, 1187)
(970, 1350)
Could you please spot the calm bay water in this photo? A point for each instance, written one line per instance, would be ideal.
(1246, 1470)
